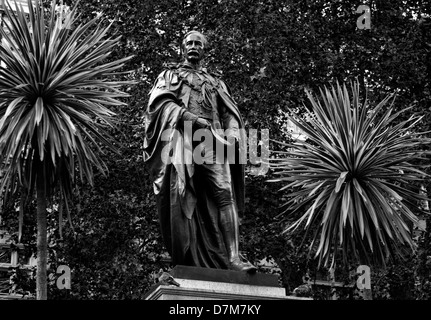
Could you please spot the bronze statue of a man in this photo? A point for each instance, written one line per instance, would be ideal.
(199, 202)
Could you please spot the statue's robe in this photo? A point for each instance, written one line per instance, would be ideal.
(189, 218)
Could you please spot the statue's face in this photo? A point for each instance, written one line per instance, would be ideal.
(194, 48)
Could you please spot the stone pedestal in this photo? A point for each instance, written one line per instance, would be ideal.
(215, 284)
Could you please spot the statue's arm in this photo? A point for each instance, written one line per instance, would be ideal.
(167, 87)
(196, 121)
(228, 118)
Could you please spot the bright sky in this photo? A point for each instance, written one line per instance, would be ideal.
(23, 3)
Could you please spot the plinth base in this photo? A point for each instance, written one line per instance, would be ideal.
(215, 284)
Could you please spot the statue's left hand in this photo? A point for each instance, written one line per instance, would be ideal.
(202, 123)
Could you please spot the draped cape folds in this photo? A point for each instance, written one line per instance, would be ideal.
(189, 219)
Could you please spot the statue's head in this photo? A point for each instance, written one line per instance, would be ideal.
(193, 46)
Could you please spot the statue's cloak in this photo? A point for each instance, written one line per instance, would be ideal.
(189, 219)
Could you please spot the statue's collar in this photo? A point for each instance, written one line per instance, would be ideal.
(191, 68)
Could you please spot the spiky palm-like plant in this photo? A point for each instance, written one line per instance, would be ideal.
(352, 177)
(55, 89)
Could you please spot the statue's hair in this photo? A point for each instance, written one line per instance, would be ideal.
(205, 40)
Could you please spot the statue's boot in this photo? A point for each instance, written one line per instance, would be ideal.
(230, 229)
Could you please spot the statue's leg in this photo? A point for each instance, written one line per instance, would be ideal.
(230, 228)
(218, 179)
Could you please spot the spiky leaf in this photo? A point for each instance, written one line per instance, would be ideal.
(353, 176)
(56, 87)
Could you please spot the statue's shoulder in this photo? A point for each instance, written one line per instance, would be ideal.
(218, 76)
(171, 65)
(171, 68)
(169, 75)
(214, 73)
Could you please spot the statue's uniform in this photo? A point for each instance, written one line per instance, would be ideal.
(195, 201)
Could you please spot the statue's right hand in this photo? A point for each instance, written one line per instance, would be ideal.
(202, 123)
